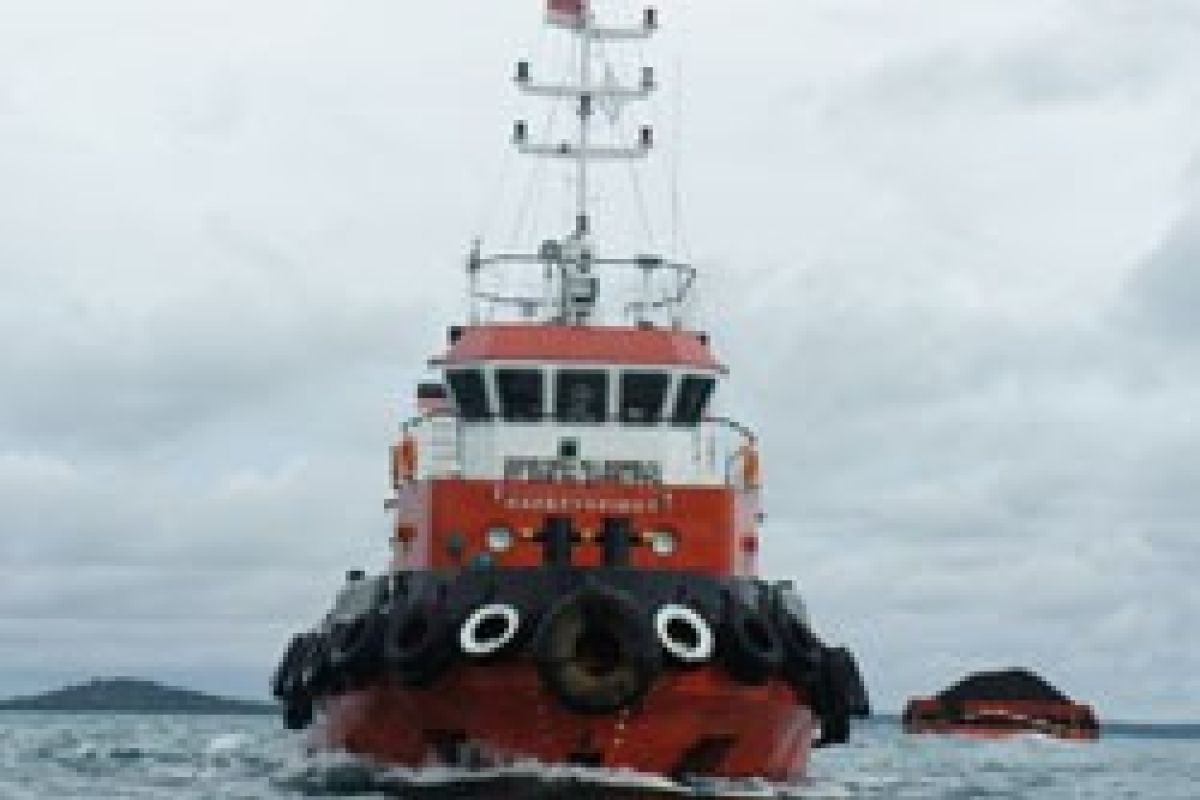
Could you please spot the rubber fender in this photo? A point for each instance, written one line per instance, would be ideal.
(418, 639)
(356, 645)
(290, 683)
(858, 700)
(283, 681)
(831, 701)
(802, 653)
(596, 651)
(748, 645)
(297, 713)
(315, 674)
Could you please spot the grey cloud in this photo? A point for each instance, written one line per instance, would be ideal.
(134, 368)
(1099, 52)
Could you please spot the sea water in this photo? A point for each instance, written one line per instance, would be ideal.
(103, 757)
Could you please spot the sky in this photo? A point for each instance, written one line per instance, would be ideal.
(951, 251)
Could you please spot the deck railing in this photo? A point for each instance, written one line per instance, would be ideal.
(722, 449)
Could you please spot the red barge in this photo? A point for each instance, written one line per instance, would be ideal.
(999, 704)
(576, 532)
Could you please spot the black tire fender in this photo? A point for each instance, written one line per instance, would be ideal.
(418, 640)
(748, 645)
(802, 653)
(314, 674)
(297, 713)
(356, 645)
(831, 701)
(283, 682)
(596, 651)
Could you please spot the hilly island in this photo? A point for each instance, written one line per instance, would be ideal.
(133, 696)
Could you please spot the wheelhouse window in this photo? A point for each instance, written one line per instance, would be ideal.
(694, 393)
(642, 396)
(581, 395)
(520, 392)
(470, 397)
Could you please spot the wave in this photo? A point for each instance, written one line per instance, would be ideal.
(341, 774)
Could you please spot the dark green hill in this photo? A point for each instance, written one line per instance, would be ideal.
(130, 695)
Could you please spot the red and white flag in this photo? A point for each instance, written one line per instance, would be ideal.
(567, 13)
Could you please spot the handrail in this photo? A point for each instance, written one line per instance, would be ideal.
(732, 453)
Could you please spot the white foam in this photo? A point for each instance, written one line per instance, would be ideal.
(228, 743)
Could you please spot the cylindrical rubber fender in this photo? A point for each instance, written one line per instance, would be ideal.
(748, 645)
(283, 681)
(858, 700)
(801, 650)
(489, 629)
(297, 713)
(418, 641)
(830, 702)
(314, 672)
(684, 634)
(289, 683)
(356, 645)
(596, 651)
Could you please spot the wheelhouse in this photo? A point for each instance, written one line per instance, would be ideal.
(622, 404)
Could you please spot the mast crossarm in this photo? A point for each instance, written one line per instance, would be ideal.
(574, 152)
(644, 262)
(585, 24)
(611, 33)
(568, 90)
(619, 34)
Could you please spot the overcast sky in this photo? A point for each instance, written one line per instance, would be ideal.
(950, 249)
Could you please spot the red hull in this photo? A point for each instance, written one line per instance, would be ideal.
(999, 719)
(976, 731)
(695, 722)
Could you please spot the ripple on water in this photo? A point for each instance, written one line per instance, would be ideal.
(231, 758)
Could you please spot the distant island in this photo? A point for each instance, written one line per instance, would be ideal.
(133, 696)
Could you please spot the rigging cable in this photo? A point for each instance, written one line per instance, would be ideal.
(616, 125)
(678, 227)
(535, 178)
(491, 208)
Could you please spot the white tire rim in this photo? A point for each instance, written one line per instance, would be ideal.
(701, 649)
(468, 636)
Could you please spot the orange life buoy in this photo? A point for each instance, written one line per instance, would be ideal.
(404, 460)
(750, 466)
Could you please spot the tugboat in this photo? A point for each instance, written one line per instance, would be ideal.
(576, 536)
(999, 704)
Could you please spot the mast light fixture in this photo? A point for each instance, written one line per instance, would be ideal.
(648, 79)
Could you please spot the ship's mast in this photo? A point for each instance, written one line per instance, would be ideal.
(570, 260)
(582, 222)
(577, 17)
